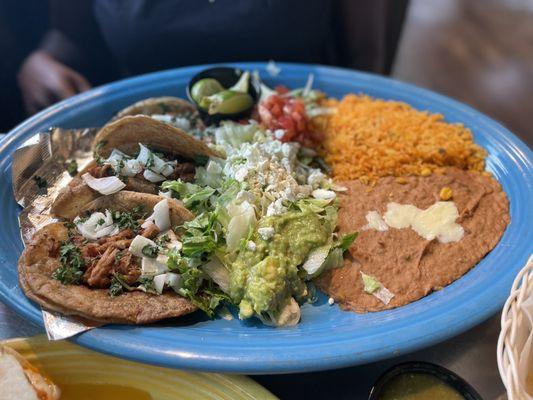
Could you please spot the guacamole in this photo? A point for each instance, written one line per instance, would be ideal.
(265, 274)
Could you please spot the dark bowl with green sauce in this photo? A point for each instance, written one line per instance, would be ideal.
(227, 77)
(421, 380)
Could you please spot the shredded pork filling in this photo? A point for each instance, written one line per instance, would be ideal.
(108, 256)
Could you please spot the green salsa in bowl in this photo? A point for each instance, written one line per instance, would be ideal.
(421, 381)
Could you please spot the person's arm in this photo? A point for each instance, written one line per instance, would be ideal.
(367, 33)
(58, 68)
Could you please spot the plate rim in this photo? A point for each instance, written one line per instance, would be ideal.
(282, 364)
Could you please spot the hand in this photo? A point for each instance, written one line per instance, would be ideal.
(43, 81)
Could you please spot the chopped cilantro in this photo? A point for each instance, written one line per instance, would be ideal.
(147, 284)
(161, 241)
(116, 287)
(347, 240)
(118, 284)
(69, 225)
(96, 155)
(72, 264)
(150, 161)
(150, 251)
(82, 218)
(128, 220)
(101, 221)
(72, 167)
(118, 256)
(40, 182)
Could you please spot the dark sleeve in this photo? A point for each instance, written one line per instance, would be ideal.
(75, 39)
(367, 33)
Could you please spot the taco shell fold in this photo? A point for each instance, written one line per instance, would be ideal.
(158, 105)
(126, 133)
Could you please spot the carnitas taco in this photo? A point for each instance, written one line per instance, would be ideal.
(109, 264)
(171, 110)
(134, 153)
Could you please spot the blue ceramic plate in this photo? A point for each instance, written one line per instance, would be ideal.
(326, 337)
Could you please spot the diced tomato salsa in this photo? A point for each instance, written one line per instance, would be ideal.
(280, 111)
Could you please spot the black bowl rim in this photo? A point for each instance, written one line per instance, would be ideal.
(254, 91)
(442, 373)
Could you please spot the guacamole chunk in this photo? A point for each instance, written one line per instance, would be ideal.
(266, 274)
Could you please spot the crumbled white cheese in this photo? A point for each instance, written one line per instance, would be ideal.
(323, 194)
(251, 245)
(276, 208)
(331, 301)
(266, 233)
(437, 221)
(315, 178)
(241, 174)
(375, 222)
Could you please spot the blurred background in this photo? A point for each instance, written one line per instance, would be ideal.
(479, 52)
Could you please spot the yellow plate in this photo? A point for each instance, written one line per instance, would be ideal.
(84, 374)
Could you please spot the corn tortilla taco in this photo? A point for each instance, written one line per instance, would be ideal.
(134, 153)
(108, 263)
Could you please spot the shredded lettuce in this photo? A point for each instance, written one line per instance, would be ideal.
(201, 236)
(371, 284)
(232, 134)
(194, 197)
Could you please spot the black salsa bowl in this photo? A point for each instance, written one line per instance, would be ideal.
(444, 375)
(227, 77)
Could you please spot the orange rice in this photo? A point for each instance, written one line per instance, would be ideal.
(368, 138)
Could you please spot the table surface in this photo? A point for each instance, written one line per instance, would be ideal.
(472, 355)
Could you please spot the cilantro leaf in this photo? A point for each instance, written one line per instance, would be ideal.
(72, 167)
(72, 264)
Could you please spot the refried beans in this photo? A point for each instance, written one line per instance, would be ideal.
(402, 261)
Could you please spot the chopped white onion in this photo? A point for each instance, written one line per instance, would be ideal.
(384, 294)
(105, 186)
(163, 167)
(316, 259)
(173, 280)
(152, 176)
(93, 228)
(153, 266)
(170, 279)
(160, 217)
(182, 123)
(242, 220)
(308, 85)
(115, 158)
(166, 118)
(218, 273)
(138, 243)
(168, 168)
(131, 168)
(159, 282)
(144, 154)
